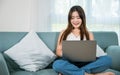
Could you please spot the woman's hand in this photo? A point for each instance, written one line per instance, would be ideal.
(59, 53)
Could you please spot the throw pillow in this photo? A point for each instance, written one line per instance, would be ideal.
(31, 53)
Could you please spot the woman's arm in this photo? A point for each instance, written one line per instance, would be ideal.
(59, 46)
(91, 36)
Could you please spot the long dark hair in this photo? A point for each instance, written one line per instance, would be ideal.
(83, 30)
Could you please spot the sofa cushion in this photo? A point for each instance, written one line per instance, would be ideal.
(12, 65)
(31, 53)
(114, 52)
(46, 72)
(40, 72)
(3, 67)
(114, 71)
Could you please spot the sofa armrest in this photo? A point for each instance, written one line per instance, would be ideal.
(114, 53)
(3, 66)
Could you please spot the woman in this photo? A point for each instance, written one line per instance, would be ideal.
(77, 30)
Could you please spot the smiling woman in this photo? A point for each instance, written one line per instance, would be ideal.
(77, 26)
(76, 20)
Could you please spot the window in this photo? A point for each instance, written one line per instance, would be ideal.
(59, 12)
(101, 15)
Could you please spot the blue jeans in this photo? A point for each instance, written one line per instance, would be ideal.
(68, 68)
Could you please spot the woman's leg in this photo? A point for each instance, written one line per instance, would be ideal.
(100, 65)
(66, 68)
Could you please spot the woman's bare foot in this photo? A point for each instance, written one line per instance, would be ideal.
(59, 74)
(89, 74)
(105, 73)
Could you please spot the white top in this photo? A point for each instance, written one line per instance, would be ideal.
(99, 51)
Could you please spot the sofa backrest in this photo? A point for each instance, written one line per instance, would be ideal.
(8, 39)
(105, 39)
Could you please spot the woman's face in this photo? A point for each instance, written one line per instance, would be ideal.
(76, 21)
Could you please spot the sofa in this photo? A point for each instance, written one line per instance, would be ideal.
(108, 41)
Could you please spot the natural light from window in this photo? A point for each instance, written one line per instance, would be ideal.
(101, 15)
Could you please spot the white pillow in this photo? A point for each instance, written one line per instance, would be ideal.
(100, 51)
(31, 53)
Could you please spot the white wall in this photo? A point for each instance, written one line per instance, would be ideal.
(43, 15)
(23, 15)
(14, 15)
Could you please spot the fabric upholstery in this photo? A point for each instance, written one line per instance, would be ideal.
(3, 66)
(41, 72)
(8, 39)
(114, 52)
(105, 39)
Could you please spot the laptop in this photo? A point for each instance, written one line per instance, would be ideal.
(79, 51)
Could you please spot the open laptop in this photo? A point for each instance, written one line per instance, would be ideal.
(79, 51)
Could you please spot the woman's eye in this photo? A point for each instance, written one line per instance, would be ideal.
(75, 17)
(78, 17)
(72, 18)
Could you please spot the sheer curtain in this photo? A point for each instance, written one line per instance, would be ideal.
(101, 15)
(59, 12)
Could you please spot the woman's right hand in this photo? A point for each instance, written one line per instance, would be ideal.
(59, 52)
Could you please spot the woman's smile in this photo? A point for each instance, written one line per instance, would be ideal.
(76, 20)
